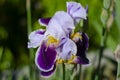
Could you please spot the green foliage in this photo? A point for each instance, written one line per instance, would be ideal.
(104, 17)
(36, 26)
(106, 3)
(6, 59)
(3, 33)
(117, 16)
(119, 76)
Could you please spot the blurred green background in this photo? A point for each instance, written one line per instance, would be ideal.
(14, 54)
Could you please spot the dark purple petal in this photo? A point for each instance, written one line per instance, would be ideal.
(82, 46)
(49, 73)
(85, 40)
(45, 58)
(44, 21)
(82, 60)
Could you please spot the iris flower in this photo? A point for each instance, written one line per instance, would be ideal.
(57, 43)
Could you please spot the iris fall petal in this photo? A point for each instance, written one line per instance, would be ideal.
(82, 46)
(49, 73)
(45, 58)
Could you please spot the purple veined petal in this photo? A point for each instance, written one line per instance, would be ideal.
(79, 60)
(76, 11)
(49, 73)
(60, 24)
(82, 47)
(66, 50)
(44, 21)
(36, 38)
(45, 58)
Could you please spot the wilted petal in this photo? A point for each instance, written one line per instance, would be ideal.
(82, 46)
(35, 38)
(44, 21)
(76, 11)
(45, 58)
(49, 73)
(66, 50)
(60, 24)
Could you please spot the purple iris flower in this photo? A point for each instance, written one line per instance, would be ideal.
(49, 41)
(55, 43)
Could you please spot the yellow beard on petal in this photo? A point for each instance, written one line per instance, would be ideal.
(52, 41)
(76, 36)
(69, 61)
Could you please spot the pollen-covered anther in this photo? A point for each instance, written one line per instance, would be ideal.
(76, 36)
(51, 41)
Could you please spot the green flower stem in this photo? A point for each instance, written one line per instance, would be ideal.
(63, 65)
(79, 72)
(102, 46)
(29, 29)
(118, 72)
(29, 25)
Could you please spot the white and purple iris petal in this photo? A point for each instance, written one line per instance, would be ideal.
(67, 49)
(36, 38)
(49, 73)
(45, 57)
(44, 21)
(76, 11)
(82, 46)
(61, 24)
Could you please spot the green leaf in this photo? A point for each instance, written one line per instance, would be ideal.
(113, 37)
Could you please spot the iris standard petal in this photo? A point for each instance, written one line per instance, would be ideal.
(44, 21)
(35, 38)
(82, 46)
(45, 58)
(76, 11)
(66, 50)
(60, 24)
(49, 73)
